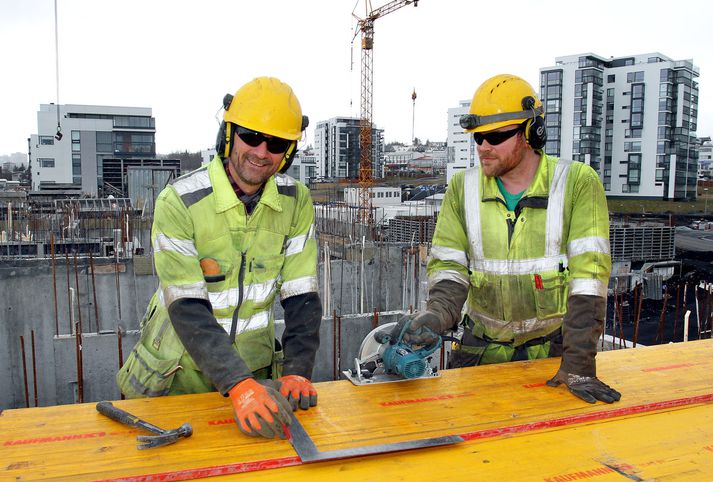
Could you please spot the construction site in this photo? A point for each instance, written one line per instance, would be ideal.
(78, 274)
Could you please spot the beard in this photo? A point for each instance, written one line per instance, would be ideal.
(251, 170)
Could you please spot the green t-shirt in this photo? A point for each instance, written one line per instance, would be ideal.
(511, 200)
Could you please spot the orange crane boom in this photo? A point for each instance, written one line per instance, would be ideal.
(366, 26)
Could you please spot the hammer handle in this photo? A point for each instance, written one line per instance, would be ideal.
(121, 416)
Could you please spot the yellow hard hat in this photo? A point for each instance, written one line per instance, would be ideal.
(501, 101)
(267, 105)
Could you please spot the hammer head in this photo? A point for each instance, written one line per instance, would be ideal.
(166, 438)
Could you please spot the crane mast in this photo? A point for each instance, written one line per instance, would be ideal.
(366, 26)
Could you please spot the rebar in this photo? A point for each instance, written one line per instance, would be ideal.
(54, 287)
(24, 371)
(34, 367)
(78, 294)
(94, 292)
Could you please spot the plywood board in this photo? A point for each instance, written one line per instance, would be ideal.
(514, 426)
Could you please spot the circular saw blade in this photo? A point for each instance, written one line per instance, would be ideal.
(371, 349)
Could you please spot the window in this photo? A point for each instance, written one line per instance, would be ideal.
(46, 162)
(104, 142)
(46, 140)
(611, 78)
(637, 76)
(76, 146)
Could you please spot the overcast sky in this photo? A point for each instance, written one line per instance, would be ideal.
(180, 57)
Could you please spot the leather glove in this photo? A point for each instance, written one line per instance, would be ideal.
(259, 409)
(589, 389)
(424, 329)
(299, 391)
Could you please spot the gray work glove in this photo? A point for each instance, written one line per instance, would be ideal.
(445, 300)
(424, 328)
(589, 389)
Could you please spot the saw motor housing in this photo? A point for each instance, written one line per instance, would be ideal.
(383, 359)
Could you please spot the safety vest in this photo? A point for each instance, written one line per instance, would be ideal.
(269, 251)
(520, 269)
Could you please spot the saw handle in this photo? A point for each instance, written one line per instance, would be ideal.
(121, 416)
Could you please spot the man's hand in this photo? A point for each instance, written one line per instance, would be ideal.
(259, 409)
(589, 389)
(299, 391)
(424, 329)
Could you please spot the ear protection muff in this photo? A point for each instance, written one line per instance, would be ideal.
(225, 132)
(535, 129)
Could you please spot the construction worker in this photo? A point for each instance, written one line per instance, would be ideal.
(522, 240)
(227, 238)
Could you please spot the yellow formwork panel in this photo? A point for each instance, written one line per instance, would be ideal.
(515, 428)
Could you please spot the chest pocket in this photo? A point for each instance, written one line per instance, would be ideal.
(551, 294)
(263, 280)
(486, 292)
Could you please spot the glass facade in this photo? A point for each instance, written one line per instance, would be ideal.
(617, 107)
(551, 95)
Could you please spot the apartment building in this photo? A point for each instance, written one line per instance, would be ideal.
(633, 119)
(461, 152)
(74, 141)
(337, 152)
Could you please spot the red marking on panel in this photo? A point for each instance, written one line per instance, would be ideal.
(534, 385)
(55, 438)
(582, 474)
(200, 472)
(667, 367)
(392, 403)
(221, 422)
(587, 417)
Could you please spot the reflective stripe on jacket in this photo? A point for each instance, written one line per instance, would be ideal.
(270, 251)
(521, 266)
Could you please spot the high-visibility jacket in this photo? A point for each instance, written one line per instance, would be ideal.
(270, 251)
(521, 266)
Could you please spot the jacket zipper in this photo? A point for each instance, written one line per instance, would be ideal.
(241, 279)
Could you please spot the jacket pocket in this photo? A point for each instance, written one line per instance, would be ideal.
(486, 295)
(145, 374)
(265, 280)
(550, 294)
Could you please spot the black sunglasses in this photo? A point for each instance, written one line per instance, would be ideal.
(275, 145)
(495, 138)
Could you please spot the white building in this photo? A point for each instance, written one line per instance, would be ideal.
(633, 119)
(705, 158)
(74, 156)
(461, 147)
(304, 166)
(380, 196)
(337, 152)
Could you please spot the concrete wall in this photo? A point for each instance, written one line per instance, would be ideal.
(384, 281)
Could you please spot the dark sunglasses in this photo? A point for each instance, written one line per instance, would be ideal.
(495, 138)
(275, 145)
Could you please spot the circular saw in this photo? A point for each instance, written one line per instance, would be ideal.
(384, 356)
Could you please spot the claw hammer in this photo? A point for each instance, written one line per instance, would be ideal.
(163, 437)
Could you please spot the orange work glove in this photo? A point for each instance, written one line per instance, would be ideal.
(259, 409)
(298, 391)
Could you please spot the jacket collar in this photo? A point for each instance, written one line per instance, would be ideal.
(539, 187)
(225, 197)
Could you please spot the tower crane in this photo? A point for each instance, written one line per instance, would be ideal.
(366, 26)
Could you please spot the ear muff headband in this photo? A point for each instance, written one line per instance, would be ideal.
(471, 121)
